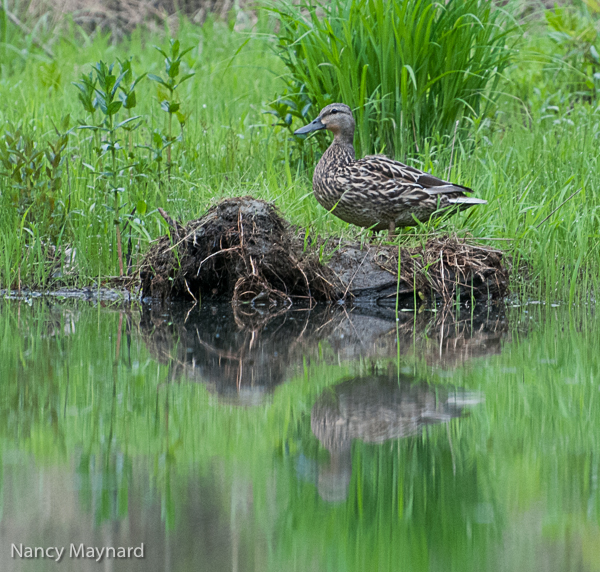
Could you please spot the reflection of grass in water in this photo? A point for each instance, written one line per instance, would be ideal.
(534, 442)
(412, 503)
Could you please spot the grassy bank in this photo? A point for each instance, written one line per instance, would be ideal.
(534, 156)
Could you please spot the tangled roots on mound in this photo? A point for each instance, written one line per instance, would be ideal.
(241, 249)
(446, 265)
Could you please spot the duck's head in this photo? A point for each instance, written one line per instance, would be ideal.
(337, 118)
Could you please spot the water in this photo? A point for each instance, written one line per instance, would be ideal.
(310, 441)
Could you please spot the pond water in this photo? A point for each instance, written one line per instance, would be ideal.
(323, 440)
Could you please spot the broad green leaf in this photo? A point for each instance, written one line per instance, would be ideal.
(175, 48)
(113, 107)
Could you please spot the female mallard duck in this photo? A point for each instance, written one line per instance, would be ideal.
(376, 192)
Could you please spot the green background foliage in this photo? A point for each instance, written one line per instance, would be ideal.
(527, 141)
(411, 70)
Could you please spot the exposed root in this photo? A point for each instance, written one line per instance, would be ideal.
(243, 250)
(445, 266)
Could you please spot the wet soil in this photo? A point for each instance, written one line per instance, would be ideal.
(243, 250)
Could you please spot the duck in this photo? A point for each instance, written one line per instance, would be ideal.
(376, 192)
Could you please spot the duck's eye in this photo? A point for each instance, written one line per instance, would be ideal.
(333, 111)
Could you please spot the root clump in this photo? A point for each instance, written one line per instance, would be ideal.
(243, 250)
(446, 266)
(240, 249)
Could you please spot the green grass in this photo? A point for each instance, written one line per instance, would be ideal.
(447, 59)
(533, 150)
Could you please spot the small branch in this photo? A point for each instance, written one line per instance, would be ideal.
(215, 254)
(190, 293)
(167, 218)
(171, 222)
(415, 134)
(488, 238)
(452, 152)
(119, 250)
(356, 272)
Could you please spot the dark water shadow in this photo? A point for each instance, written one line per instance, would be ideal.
(243, 356)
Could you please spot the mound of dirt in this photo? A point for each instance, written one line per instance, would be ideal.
(120, 17)
(243, 250)
(240, 249)
(447, 267)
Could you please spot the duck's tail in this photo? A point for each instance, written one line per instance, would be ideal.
(466, 202)
(455, 195)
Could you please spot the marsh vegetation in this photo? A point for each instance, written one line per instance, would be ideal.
(99, 131)
(324, 437)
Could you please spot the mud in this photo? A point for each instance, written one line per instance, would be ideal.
(244, 251)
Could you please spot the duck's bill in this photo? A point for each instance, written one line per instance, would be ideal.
(312, 126)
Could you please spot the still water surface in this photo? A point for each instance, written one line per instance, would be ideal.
(324, 440)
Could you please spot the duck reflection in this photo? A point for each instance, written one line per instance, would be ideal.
(243, 357)
(375, 409)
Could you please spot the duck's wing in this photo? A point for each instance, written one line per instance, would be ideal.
(384, 169)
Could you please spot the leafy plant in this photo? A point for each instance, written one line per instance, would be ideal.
(110, 98)
(55, 157)
(292, 110)
(289, 106)
(159, 142)
(409, 69)
(127, 95)
(87, 97)
(35, 173)
(167, 91)
(22, 160)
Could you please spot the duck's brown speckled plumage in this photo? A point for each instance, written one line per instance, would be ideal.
(376, 192)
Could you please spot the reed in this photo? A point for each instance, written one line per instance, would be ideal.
(408, 69)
